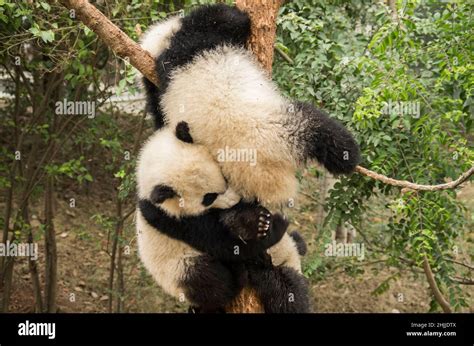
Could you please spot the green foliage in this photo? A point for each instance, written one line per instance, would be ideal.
(405, 89)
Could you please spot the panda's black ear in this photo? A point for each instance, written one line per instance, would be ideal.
(161, 193)
(182, 132)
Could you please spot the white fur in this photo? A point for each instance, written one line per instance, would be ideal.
(286, 253)
(186, 167)
(190, 170)
(165, 258)
(157, 38)
(228, 101)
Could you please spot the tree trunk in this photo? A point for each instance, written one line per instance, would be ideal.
(51, 275)
(263, 15)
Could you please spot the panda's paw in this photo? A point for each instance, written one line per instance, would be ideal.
(247, 221)
(279, 224)
(264, 222)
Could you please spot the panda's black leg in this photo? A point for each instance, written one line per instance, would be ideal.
(299, 242)
(325, 139)
(281, 289)
(209, 284)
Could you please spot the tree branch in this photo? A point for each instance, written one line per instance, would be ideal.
(413, 186)
(470, 267)
(434, 287)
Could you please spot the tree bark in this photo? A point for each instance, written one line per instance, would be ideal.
(263, 18)
(263, 15)
(434, 287)
(51, 265)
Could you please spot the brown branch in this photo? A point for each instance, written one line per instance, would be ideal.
(462, 281)
(434, 287)
(113, 37)
(285, 56)
(470, 267)
(393, 10)
(413, 186)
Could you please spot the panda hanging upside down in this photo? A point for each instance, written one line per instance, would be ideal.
(215, 94)
(210, 81)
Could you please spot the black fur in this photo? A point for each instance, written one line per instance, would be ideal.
(242, 223)
(209, 284)
(300, 243)
(208, 234)
(153, 97)
(214, 279)
(326, 140)
(182, 132)
(281, 289)
(161, 193)
(204, 28)
(209, 198)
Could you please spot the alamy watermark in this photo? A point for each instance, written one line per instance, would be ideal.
(66, 107)
(10, 249)
(402, 108)
(237, 155)
(28, 328)
(335, 249)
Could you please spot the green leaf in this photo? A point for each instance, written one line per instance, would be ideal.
(47, 36)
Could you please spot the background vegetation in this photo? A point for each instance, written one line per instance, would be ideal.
(68, 181)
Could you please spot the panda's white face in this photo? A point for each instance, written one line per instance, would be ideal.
(182, 178)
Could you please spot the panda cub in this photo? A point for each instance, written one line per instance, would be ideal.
(209, 80)
(195, 236)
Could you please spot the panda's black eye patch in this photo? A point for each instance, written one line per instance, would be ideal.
(161, 193)
(209, 198)
(182, 132)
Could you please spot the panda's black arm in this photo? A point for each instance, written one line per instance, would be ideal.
(207, 234)
(326, 140)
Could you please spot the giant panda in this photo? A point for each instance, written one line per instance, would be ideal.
(209, 80)
(199, 241)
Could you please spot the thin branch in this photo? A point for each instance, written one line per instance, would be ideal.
(413, 186)
(284, 55)
(462, 281)
(471, 267)
(434, 287)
